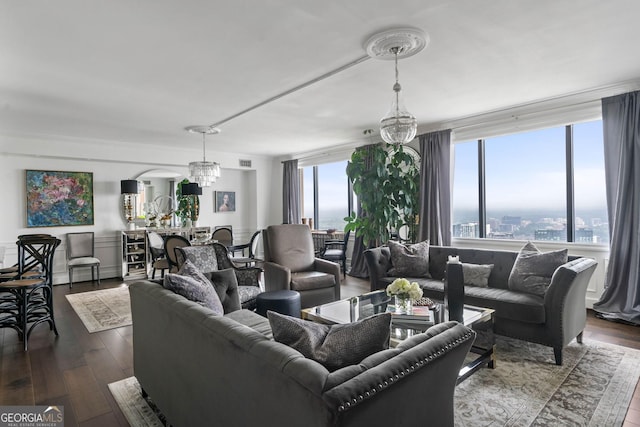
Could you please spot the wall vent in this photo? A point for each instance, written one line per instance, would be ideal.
(245, 163)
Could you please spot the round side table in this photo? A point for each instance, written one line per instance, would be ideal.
(283, 302)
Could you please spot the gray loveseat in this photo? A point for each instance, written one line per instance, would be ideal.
(553, 320)
(201, 369)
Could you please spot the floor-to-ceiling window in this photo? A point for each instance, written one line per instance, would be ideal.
(326, 195)
(546, 184)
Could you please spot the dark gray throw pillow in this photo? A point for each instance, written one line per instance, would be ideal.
(532, 271)
(409, 260)
(225, 283)
(333, 346)
(476, 274)
(195, 288)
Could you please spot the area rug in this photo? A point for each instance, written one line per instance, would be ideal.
(593, 388)
(103, 309)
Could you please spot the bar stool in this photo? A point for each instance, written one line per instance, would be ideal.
(32, 301)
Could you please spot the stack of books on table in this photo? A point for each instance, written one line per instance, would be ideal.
(420, 316)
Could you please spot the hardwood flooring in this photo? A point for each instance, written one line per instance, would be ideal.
(75, 368)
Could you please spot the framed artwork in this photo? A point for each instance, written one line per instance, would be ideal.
(57, 198)
(225, 201)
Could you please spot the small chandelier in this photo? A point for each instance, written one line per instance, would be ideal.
(204, 173)
(399, 126)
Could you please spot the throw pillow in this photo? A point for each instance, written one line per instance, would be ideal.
(194, 289)
(333, 346)
(476, 274)
(411, 260)
(203, 257)
(226, 285)
(532, 271)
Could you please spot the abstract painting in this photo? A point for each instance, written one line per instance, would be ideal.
(59, 198)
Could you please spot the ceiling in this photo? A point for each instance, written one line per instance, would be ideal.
(141, 71)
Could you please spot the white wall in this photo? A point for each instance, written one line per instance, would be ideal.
(111, 162)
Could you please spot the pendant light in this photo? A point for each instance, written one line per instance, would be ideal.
(204, 173)
(399, 126)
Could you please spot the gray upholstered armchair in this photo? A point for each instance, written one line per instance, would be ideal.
(290, 263)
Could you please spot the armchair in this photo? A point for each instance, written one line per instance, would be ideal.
(213, 257)
(290, 263)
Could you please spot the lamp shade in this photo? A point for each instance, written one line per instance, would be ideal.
(128, 186)
(191, 189)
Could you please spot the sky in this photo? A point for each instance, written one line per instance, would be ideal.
(527, 170)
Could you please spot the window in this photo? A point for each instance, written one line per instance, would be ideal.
(526, 196)
(590, 192)
(465, 198)
(325, 195)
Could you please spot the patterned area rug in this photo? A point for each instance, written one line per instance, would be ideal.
(103, 309)
(593, 388)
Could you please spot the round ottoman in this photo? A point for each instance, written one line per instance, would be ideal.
(283, 302)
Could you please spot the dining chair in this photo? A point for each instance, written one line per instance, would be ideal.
(170, 244)
(158, 258)
(224, 236)
(80, 250)
(336, 250)
(251, 246)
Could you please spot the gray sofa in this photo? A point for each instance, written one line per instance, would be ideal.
(201, 369)
(553, 320)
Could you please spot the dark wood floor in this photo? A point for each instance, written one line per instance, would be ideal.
(75, 368)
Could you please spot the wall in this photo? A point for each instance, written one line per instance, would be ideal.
(111, 162)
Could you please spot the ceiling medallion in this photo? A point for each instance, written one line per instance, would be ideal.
(408, 42)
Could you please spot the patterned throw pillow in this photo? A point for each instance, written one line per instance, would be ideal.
(532, 271)
(203, 257)
(333, 346)
(194, 287)
(476, 274)
(411, 260)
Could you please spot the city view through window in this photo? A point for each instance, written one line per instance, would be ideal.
(526, 190)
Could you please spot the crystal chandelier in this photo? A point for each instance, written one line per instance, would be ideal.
(399, 126)
(204, 173)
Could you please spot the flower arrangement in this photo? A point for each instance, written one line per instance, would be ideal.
(404, 289)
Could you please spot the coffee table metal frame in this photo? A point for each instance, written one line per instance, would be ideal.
(480, 319)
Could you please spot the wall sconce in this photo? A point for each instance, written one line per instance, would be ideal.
(129, 188)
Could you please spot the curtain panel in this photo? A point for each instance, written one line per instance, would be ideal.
(621, 128)
(435, 188)
(290, 192)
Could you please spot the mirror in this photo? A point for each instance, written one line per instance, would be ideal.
(156, 199)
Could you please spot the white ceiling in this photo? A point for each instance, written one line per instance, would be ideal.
(140, 71)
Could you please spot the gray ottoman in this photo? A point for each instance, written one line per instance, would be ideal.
(283, 302)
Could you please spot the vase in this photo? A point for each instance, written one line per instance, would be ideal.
(404, 304)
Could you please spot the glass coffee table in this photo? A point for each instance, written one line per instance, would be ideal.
(349, 310)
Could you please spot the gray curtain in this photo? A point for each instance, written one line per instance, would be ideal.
(435, 188)
(290, 192)
(358, 263)
(621, 128)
